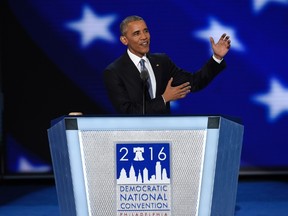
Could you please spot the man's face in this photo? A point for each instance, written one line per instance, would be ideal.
(137, 38)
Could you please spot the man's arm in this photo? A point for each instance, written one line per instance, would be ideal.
(183, 82)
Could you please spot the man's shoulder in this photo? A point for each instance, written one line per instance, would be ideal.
(158, 56)
(119, 61)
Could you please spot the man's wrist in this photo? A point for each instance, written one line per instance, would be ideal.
(217, 59)
(163, 99)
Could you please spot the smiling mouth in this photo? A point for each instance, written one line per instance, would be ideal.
(145, 44)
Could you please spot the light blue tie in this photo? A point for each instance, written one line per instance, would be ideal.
(144, 70)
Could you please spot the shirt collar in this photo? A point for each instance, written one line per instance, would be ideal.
(136, 59)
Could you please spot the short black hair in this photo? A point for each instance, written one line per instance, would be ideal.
(126, 21)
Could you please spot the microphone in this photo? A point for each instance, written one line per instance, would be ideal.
(144, 76)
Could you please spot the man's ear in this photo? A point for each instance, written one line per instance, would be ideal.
(123, 39)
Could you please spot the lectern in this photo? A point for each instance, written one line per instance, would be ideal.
(146, 165)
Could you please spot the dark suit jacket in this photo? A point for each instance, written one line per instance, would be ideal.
(124, 85)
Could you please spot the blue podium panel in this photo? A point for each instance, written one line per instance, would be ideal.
(128, 166)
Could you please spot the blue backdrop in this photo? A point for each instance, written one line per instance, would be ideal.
(78, 39)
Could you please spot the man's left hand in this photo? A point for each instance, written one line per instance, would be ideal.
(221, 48)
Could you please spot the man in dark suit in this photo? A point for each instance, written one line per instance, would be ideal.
(167, 82)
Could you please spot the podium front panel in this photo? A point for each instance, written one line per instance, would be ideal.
(186, 157)
(107, 154)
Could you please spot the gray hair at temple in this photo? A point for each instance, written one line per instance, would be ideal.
(126, 21)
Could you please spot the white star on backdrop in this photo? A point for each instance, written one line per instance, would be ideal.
(276, 99)
(215, 30)
(92, 27)
(259, 4)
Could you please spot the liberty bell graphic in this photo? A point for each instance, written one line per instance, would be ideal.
(138, 153)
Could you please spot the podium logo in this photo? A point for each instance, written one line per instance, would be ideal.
(143, 179)
(138, 153)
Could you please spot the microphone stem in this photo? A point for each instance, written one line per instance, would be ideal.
(144, 97)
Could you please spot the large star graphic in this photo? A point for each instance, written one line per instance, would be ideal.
(276, 99)
(215, 30)
(92, 27)
(259, 4)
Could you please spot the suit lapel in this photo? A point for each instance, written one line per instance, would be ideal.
(130, 69)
